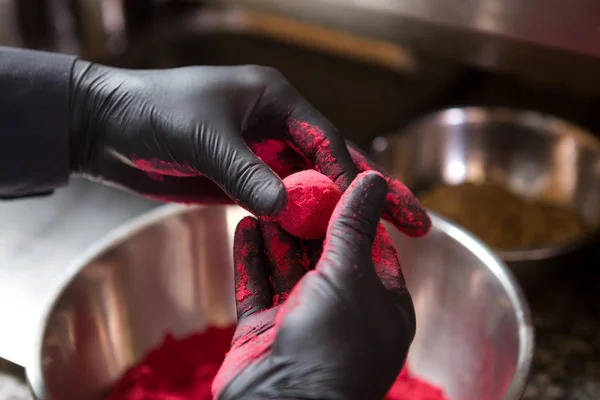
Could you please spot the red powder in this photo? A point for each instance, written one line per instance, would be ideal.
(280, 157)
(311, 199)
(242, 288)
(278, 251)
(387, 262)
(282, 252)
(242, 291)
(315, 144)
(184, 369)
(179, 369)
(408, 387)
(155, 167)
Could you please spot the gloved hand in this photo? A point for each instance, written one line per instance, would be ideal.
(173, 134)
(342, 332)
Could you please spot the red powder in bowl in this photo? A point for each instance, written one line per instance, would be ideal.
(179, 369)
(183, 369)
(409, 387)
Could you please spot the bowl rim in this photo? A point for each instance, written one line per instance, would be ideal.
(131, 228)
(543, 122)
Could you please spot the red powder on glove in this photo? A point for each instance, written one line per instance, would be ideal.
(183, 369)
(311, 199)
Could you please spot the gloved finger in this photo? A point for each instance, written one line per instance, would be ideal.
(351, 232)
(402, 208)
(244, 177)
(389, 270)
(387, 262)
(315, 137)
(287, 258)
(315, 250)
(253, 291)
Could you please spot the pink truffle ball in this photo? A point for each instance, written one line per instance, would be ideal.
(312, 197)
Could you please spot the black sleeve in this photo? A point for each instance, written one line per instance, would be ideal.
(34, 121)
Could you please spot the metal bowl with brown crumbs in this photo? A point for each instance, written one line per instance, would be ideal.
(526, 184)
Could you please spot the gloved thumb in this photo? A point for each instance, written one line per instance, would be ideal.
(247, 179)
(353, 224)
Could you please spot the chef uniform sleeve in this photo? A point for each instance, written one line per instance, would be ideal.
(34, 122)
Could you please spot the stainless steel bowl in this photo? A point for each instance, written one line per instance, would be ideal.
(171, 270)
(533, 155)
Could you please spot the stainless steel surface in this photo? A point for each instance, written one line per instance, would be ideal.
(549, 40)
(38, 239)
(553, 23)
(171, 270)
(536, 156)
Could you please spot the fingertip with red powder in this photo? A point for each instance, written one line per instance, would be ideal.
(278, 250)
(357, 181)
(402, 206)
(387, 262)
(314, 143)
(405, 211)
(308, 136)
(242, 291)
(242, 250)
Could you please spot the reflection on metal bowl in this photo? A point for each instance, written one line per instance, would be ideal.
(535, 156)
(171, 270)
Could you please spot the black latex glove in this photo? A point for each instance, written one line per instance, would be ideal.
(345, 329)
(169, 134)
